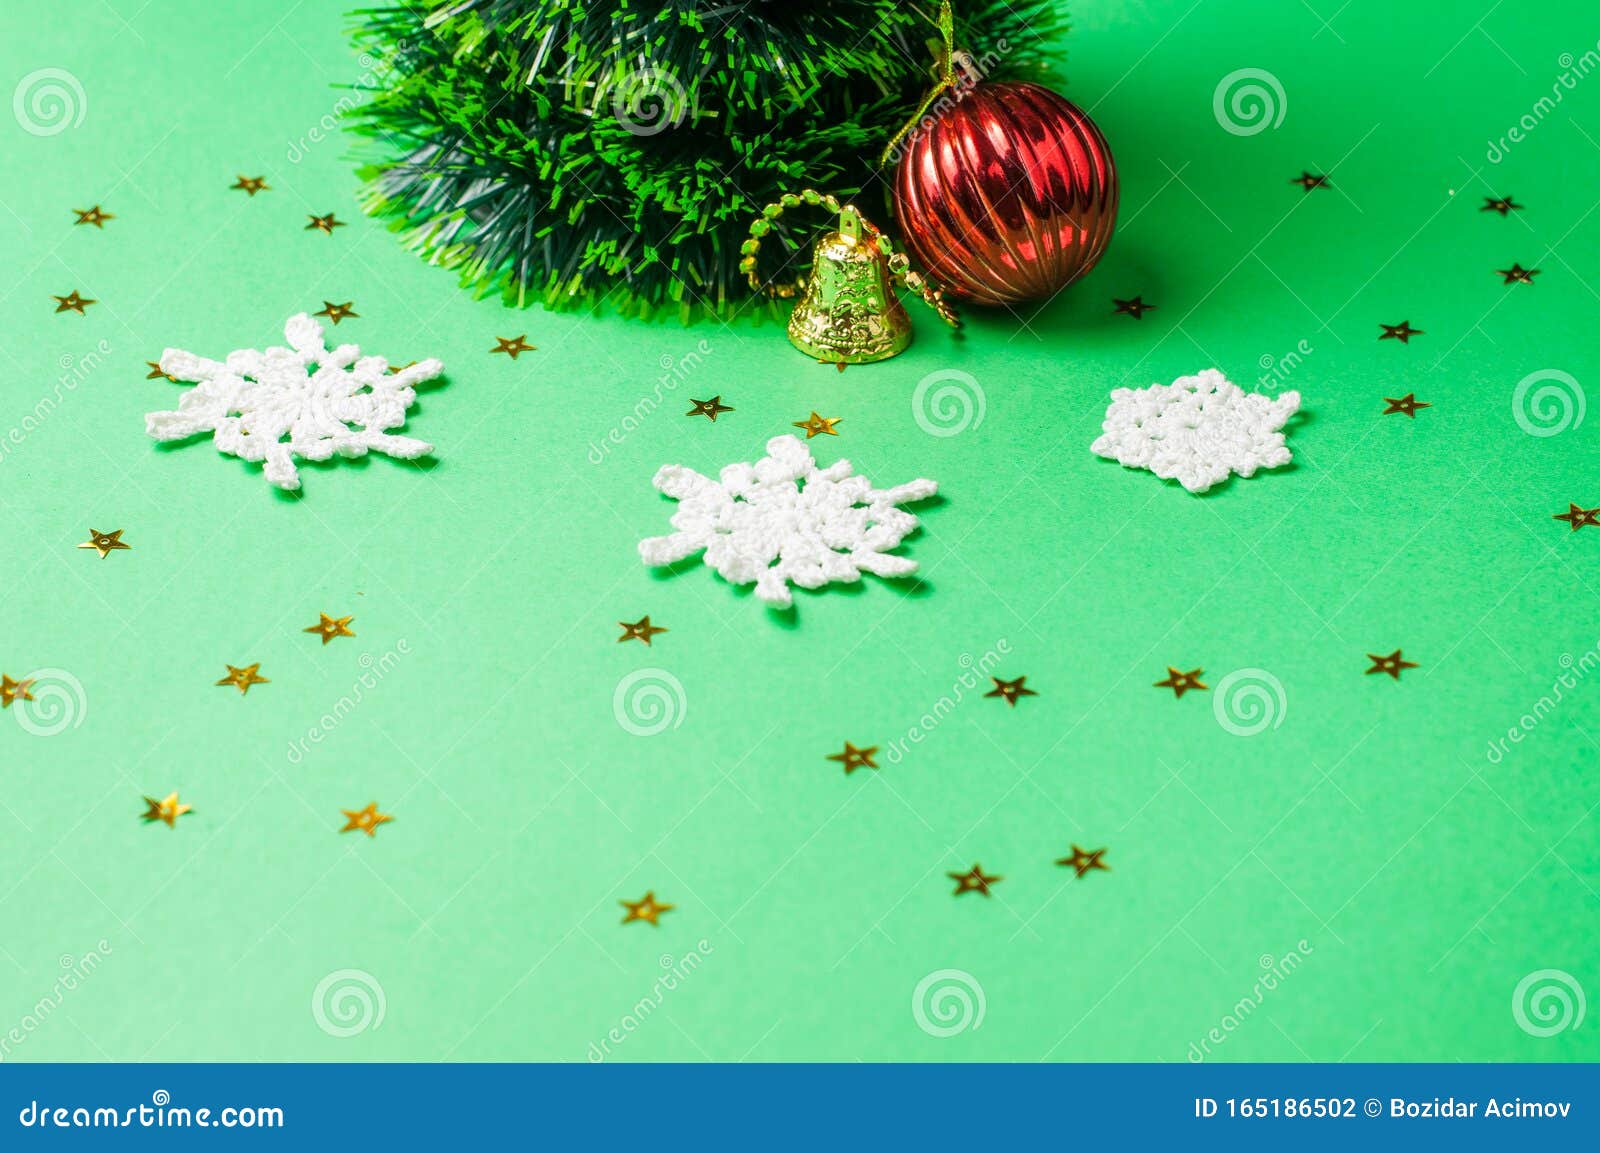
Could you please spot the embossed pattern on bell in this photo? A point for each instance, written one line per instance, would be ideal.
(849, 312)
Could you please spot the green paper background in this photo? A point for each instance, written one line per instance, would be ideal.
(1424, 880)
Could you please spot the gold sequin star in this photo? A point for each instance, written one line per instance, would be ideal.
(1517, 274)
(1181, 682)
(1403, 332)
(1307, 181)
(646, 908)
(243, 678)
(1391, 664)
(364, 820)
(324, 223)
(708, 408)
(71, 302)
(255, 184)
(1083, 860)
(853, 758)
(155, 372)
(1010, 690)
(168, 809)
(11, 690)
(337, 312)
(816, 425)
(330, 627)
(104, 543)
(975, 880)
(640, 629)
(92, 216)
(513, 346)
(1504, 205)
(1406, 405)
(1135, 308)
(1578, 516)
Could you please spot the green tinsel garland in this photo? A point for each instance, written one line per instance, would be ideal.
(614, 153)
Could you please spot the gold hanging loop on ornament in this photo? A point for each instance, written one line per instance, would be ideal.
(849, 312)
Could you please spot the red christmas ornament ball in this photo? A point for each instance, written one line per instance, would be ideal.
(1008, 195)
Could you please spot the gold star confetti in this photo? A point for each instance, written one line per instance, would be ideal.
(1307, 181)
(155, 372)
(11, 690)
(324, 223)
(1010, 690)
(513, 346)
(168, 809)
(1517, 274)
(1180, 682)
(337, 312)
(1406, 405)
(104, 543)
(816, 425)
(1403, 332)
(1504, 205)
(839, 364)
(708, 408)
(1135, 308)
(1083, 860)
(92, 216)
(401, 368)
(1578, 516)
(253, 185)
(647, 908)
(975, 880)
(364, 820)
(1391, 664)
(853, 758)
(330, 627)
(71, 302)
(640, 629)
(243, 678)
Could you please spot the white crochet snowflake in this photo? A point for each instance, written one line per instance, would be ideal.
(300, 401)
(1198, 429)
(784, 519)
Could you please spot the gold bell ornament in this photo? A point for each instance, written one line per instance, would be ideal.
(849, 312)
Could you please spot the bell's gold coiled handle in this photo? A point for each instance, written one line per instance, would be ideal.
(850, 221)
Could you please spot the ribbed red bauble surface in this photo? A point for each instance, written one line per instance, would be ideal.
(1009, 195)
